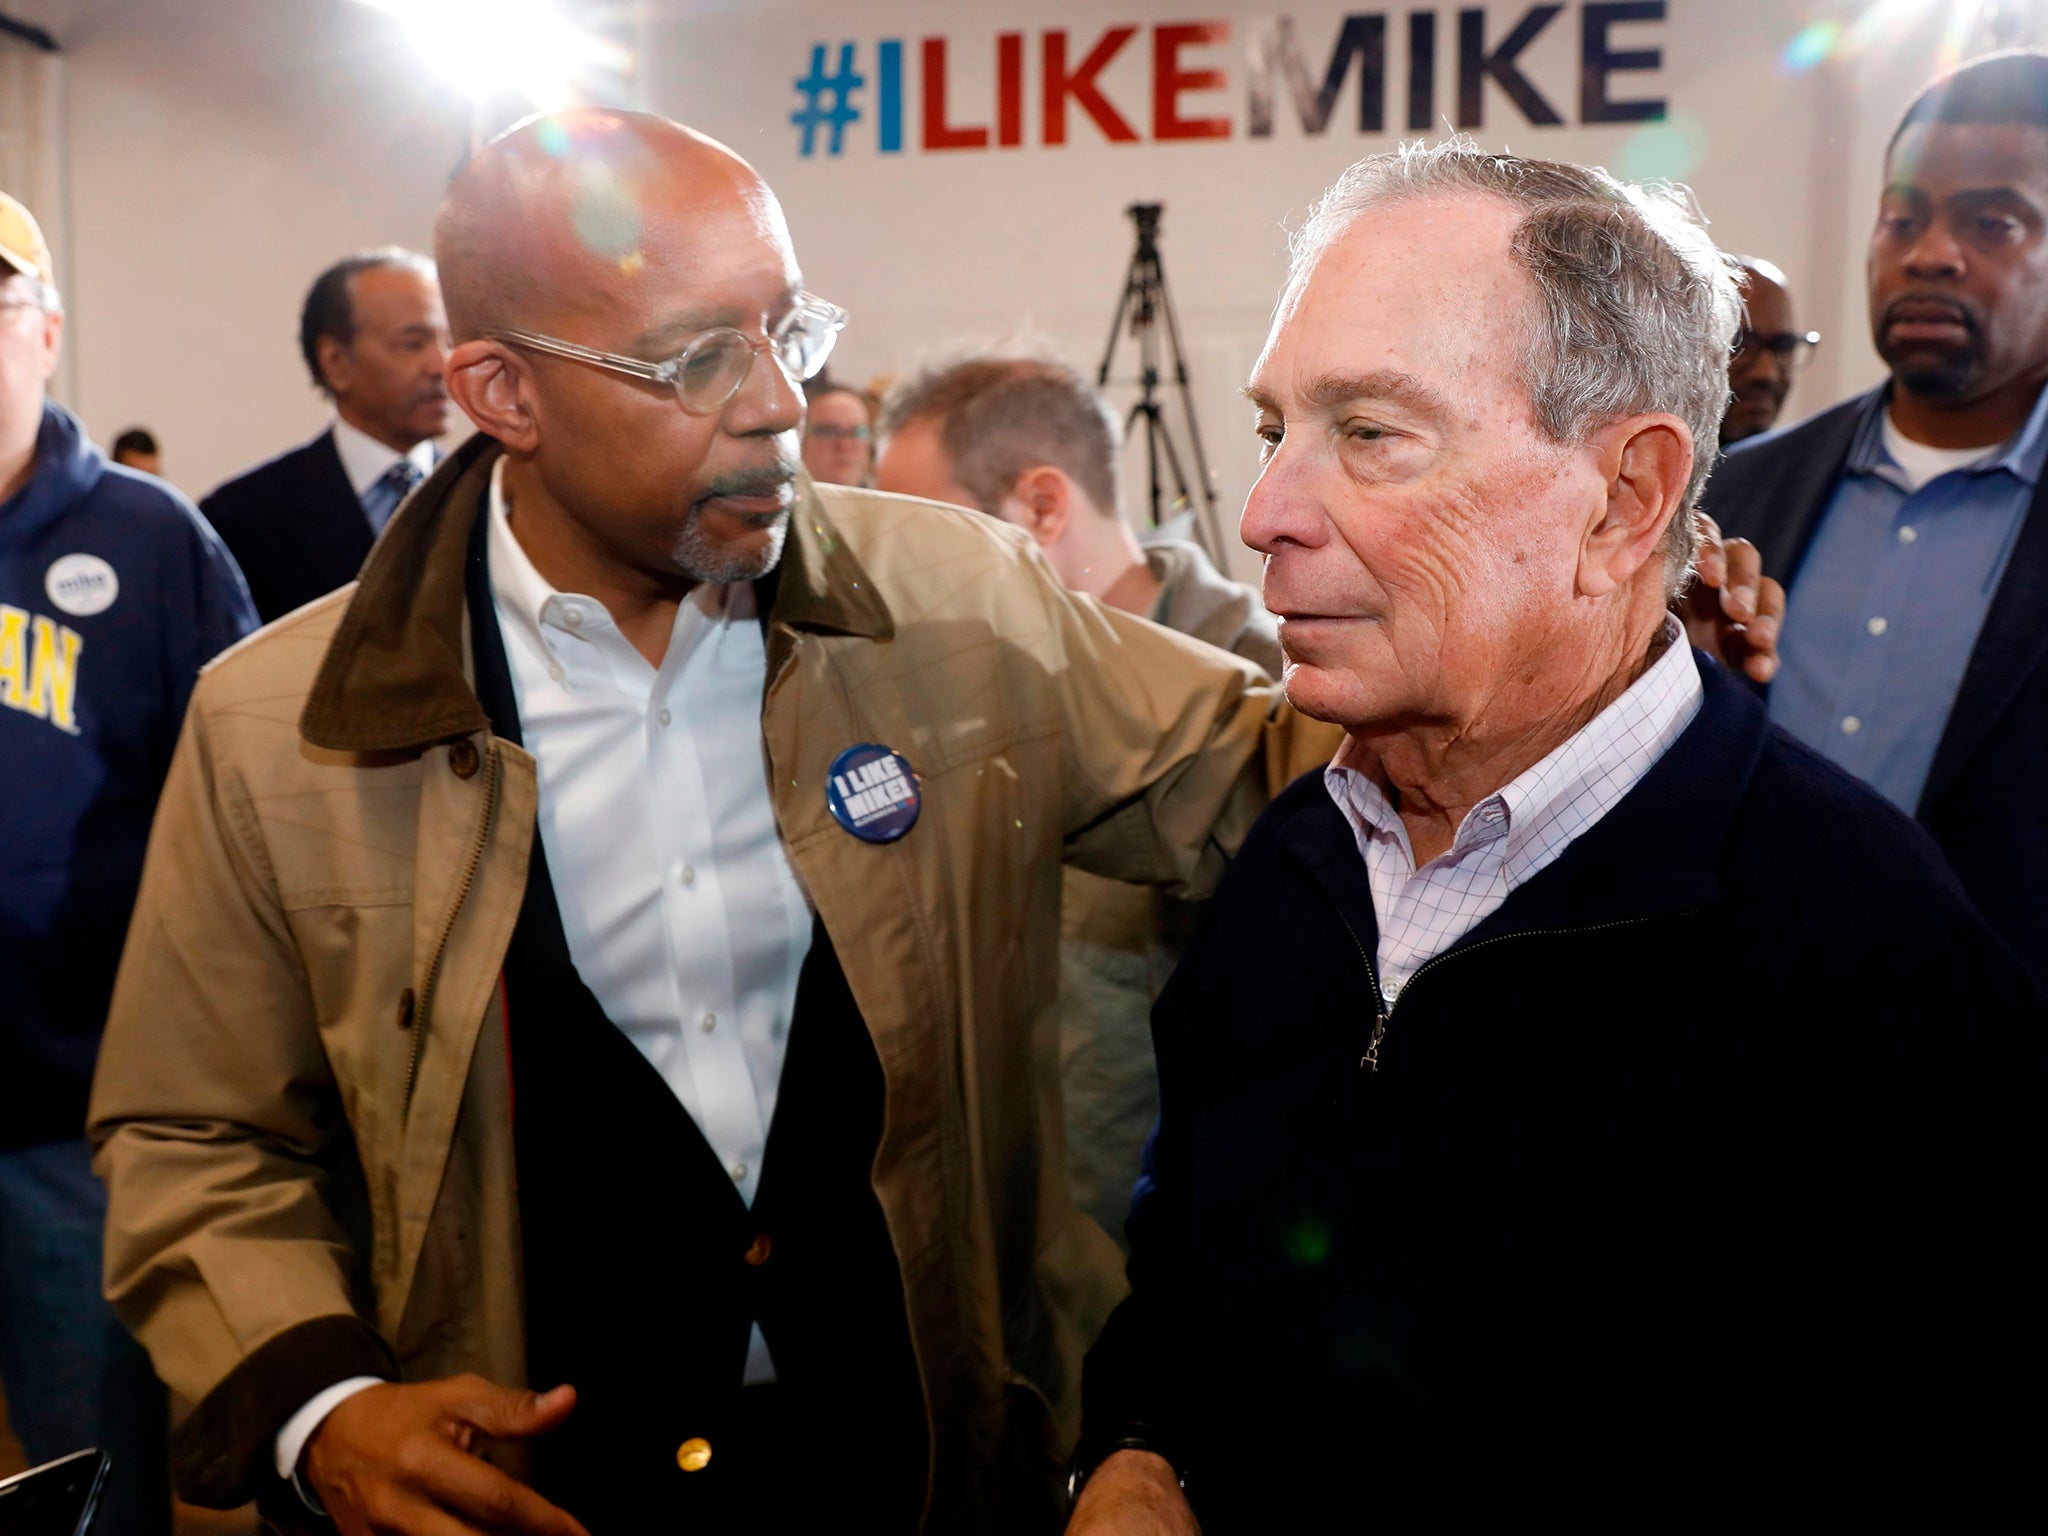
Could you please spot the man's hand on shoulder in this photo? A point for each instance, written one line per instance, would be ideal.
(1734, 611)
(395, 1460)
(1133, 1493)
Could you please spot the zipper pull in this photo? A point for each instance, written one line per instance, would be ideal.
(1370, 1061)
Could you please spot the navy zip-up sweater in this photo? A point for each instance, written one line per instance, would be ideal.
(1723, 1134)
(113, 593)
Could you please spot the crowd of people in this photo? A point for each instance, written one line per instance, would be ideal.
(733, 951)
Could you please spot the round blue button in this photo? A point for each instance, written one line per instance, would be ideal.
(872, 792)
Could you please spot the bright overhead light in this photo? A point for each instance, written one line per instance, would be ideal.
(485, 47)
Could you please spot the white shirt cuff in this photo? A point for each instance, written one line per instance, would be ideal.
(298, 1429)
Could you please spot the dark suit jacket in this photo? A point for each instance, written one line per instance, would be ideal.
(294, 525)
(1589, 1223)
(1983, 798)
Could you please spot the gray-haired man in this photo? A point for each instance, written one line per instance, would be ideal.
(1031, 442)
(1479, 1180)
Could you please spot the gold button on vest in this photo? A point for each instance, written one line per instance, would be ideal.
(693, 1455)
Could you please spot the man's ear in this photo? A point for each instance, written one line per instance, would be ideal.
(53, 342)
(489, 383)
(1647, 464)
(1042, 501)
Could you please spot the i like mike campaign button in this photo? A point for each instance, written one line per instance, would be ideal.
(872, 792)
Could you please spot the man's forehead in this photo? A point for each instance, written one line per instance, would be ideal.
(1942, 158)
(1467, 232)
(1762, 297)
(1404, 286)
(636, 229)
(394, 286)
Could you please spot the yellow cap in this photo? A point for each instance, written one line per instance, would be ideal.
(21, 243)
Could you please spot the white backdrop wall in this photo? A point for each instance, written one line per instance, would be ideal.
(218, 153)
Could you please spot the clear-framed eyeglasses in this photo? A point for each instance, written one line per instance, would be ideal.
(1789, 349)
(710, 370)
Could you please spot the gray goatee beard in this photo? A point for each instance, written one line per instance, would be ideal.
(702, 560)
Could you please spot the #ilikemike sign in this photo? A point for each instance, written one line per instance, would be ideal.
(1197, 87)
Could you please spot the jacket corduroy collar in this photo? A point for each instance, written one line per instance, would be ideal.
(396, 677)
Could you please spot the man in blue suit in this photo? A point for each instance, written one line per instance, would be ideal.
(1909, 524)
(374, 336)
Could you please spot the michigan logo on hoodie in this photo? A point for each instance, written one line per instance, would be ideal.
(39, 667)
(114, 592)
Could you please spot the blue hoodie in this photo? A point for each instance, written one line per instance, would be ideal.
(114, 591)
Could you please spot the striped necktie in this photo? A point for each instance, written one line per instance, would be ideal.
(391, 487)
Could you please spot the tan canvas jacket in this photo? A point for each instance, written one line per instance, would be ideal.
(301, 1108)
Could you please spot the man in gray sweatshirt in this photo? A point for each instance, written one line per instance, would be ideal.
(1033, 443)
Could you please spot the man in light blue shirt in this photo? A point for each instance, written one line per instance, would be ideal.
(1908, 524)
(1893, 592)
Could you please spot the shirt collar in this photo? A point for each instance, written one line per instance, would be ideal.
(536, 611)
(2022, 455)
(1655, 708)
(365, 460)
(517, 586)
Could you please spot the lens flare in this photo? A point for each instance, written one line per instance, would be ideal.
(1666, 151)
(1811, 47)
(1881, 27)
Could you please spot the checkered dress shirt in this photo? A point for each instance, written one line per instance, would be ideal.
(1516, 831)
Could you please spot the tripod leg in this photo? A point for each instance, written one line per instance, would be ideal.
(1181, 496)
(1116, 329)
(1187, 401)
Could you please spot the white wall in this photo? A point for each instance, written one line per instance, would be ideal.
(220, 152)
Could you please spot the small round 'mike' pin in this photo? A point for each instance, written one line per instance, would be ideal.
(872, 792)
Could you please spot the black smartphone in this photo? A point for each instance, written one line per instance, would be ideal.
(55, 1499)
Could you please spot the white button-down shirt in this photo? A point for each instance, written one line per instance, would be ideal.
(681, 910)
(1513, 833)
(365, 460)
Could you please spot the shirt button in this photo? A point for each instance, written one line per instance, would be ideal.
(1877, 626)
(555, 671)
(1851, 725)
(1908, 534)
(572, 615)
(686, 875)
(708, 1023)
(738, 1172)
(1491, 813)
(663, 717)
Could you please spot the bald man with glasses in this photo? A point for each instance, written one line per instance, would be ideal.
(1770, 351)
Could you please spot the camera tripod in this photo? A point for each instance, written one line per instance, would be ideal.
(1146, 304)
